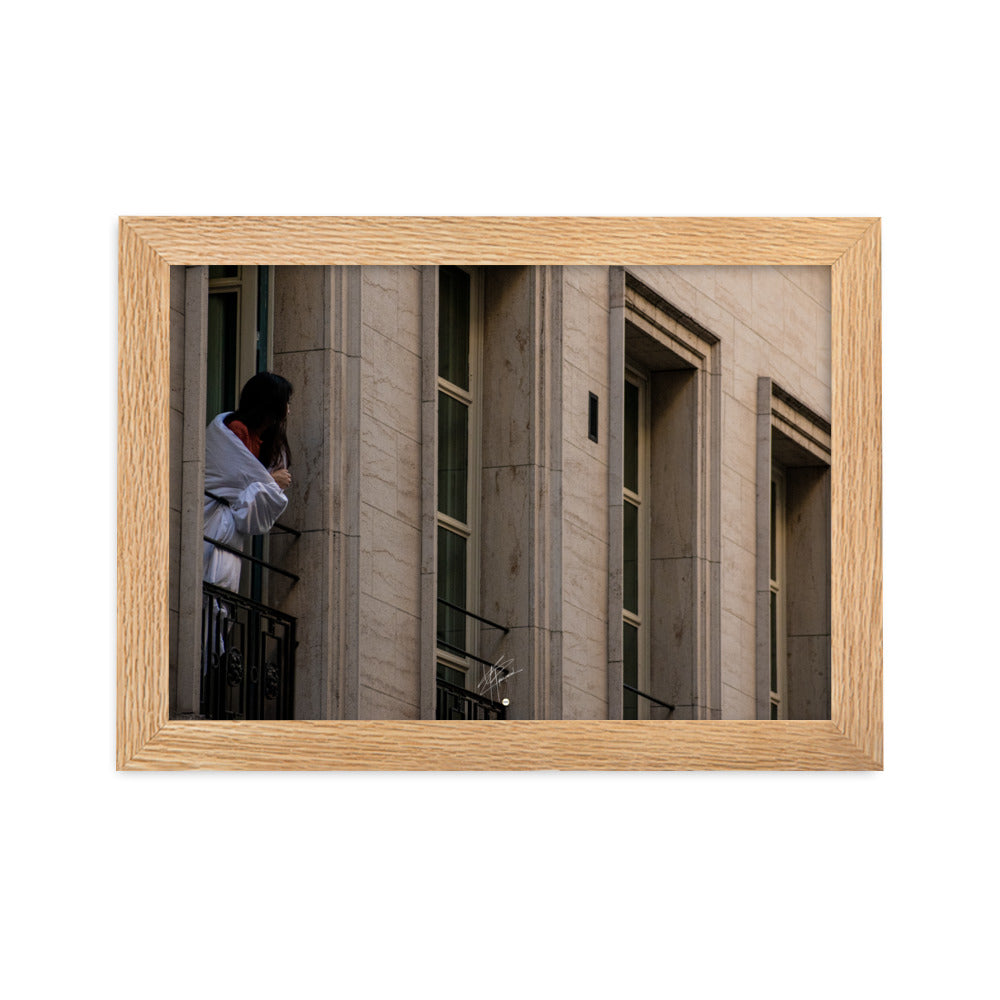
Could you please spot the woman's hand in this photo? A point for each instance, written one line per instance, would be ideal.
(282, 477)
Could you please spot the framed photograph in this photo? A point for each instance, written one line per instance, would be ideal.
(499, 493)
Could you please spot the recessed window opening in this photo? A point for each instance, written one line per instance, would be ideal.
(458, 398)
(635, 526)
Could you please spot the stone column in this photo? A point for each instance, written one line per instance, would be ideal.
(317, 348)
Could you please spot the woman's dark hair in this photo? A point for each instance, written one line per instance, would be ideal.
(264, 409)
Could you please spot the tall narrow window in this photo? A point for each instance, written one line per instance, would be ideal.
(233, 333)
(635, 561)
(779, 657)
(458, 470)
(793, 562)
(239, 346)
(669, 417)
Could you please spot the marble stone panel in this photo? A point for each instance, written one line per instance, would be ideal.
(585, 652)
(378, 465)
(390, 388)
(585, 489)
(675, 490)
(738, 580)
(801, 326)
(739, 437)
(506, 545)
(768, 303)
(378, 705)
(813, 280)
(366, 556)
(808, 677)
(673, 284)
(308, 430)
(300, 307)
(389, 653)
(395, 562)
(175, 561)
(585, 331)
(408, 308)
(379, 298)
(734, 291)
(582, 705)
(737, 704)
(715, 317)
(577, 386)
(672, 621)
(176, 451)
(178, 287)
(585, 572)
(408, 480)
(589, 281)
(177, 358)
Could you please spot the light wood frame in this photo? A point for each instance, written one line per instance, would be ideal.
(148, 740)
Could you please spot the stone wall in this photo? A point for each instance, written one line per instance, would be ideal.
(775, 322)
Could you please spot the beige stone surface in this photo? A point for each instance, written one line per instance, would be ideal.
(737, 704)
(394, 549)
(389, 653)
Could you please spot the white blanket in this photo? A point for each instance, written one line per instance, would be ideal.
(254, 501)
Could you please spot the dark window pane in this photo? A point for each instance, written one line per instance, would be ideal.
(630, 576)
(453, 326)
(453, 457)
(223, 271)
(451, 675)
(451, 587)
(774, 525)
(630, 657)
(631, 437)
(774, 641)
(223, 321)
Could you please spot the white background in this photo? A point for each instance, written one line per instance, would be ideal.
(217, 885)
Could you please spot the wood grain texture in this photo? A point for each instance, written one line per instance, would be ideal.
(385, 240)
(148, 741)
(143, 492)
(856, 494)
(509, 746)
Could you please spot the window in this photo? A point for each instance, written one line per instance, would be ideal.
(793, 572)
(239, 346)
(238, 341)
(458, 475)
(635, 532)
(666, 397)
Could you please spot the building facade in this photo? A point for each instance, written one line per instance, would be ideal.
(525, 492)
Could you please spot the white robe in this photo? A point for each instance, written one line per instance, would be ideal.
(255, 501)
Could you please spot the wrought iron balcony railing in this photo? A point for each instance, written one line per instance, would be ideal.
(248, 649)
(632, 705)
(454, 702)
(248, 658)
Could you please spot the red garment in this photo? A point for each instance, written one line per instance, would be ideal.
(251, 440)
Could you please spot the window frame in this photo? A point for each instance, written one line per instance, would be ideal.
(636, 374)
(470, 529)
(792, 439)
(244, 283)
(645, 327)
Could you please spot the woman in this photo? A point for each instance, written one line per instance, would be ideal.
(246, 473)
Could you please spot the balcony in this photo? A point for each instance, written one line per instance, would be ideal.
(454, 702)
(248, 658)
